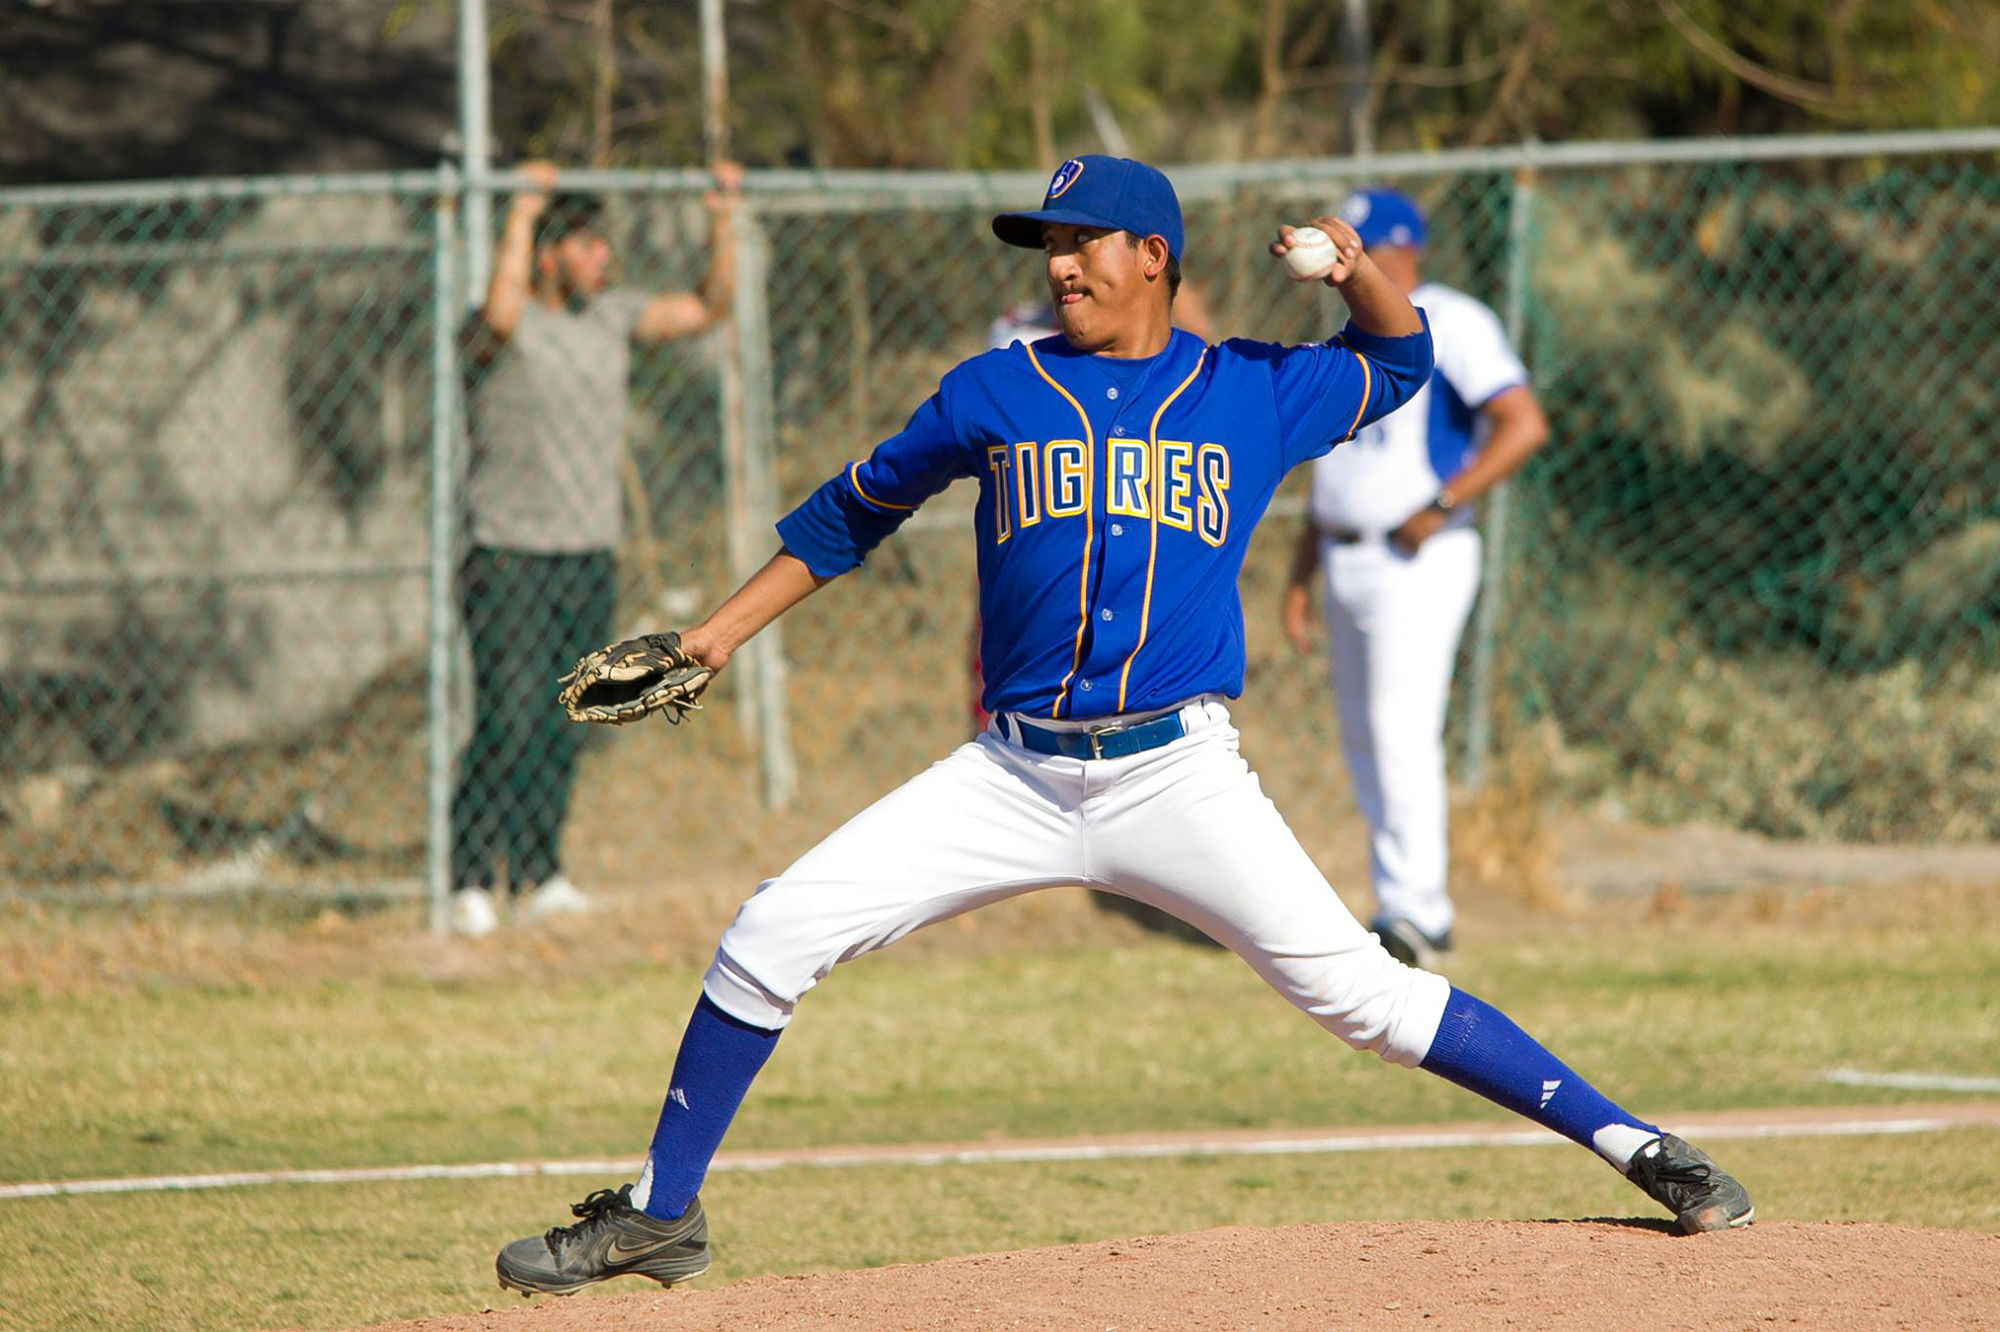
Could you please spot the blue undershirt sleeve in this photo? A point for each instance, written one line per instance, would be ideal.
(859, 506)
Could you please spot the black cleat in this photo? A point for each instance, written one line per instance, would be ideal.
(1410, 945)
(1680, 1177)
(612, 1239)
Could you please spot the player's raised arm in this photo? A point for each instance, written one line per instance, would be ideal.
(1377, 305)
(1379, 361)
(678, 314)
(510, 285)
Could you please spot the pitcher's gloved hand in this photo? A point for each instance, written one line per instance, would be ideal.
(627, 681)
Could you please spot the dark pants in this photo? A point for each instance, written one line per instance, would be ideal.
(530, 617)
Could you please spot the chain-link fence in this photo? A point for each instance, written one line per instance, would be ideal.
(215, 434)
(1752, 579)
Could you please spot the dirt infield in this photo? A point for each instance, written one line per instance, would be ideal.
(1555, 1275)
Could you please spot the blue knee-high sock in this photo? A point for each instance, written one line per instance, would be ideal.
(1482, 1050)
(719, 1058)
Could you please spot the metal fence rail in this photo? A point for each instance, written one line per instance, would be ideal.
(1751, 580)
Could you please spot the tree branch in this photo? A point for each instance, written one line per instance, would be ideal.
(1418, 76)
(1811, 96)
(1509, 91)
(1270, 78)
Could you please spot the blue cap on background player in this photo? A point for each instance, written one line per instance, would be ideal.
(1095, 191)
(1384, 217)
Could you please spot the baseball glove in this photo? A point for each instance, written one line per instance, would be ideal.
(627, 681)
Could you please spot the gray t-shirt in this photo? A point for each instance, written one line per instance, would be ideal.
(548, 429)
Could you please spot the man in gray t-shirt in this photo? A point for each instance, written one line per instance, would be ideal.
(552, 350)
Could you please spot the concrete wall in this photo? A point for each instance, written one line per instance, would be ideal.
(214, 470)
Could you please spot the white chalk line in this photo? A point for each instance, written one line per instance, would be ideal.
(819, 1158)
(1855, 1077)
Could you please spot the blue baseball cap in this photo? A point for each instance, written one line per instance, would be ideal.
(1094, 191)
(1384, 217)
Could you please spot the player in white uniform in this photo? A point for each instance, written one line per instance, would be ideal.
(1391, 522)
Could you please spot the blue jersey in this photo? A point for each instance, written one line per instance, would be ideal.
(1117, 499)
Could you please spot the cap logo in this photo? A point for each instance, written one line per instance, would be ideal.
(1355, 211)
(1065, 177)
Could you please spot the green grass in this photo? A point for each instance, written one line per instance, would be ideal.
(1731, 1010)
(1157, 1036)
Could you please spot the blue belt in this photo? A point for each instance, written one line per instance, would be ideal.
(1105, 743)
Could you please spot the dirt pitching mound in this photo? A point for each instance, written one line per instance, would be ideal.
(1556, 1275)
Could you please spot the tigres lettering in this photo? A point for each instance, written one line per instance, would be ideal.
(1189, 483)
(1127, 464)
(1068, 490)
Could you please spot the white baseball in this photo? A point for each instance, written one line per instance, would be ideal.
(1312, 254)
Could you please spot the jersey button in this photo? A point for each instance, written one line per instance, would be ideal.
(1119, 429)
(1104, 614)
(1117, 529)
(1085, 686)
(1111, 393)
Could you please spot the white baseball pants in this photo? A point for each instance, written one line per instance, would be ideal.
(1394, 621)
(1185, 827)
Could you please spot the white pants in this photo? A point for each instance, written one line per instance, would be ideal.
(1184, 827)
(1394, 622)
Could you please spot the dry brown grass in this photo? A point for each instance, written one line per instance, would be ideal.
(1503, 841)
(264, 944)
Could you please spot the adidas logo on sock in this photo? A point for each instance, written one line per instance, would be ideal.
(1549, 1086)
(679, 1098)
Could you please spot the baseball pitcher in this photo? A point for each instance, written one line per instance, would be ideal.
(1121, 466)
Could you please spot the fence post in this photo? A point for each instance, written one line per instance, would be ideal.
(753, 342)
(445, 316)
(739, 520)
(1479, 728)
(475, 145)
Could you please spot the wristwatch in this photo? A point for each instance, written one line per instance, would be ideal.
(1444, 502)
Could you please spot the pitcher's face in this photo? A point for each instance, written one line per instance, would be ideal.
(1103, 283)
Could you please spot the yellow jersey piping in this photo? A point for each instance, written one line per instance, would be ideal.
(1089, 522)
(1367, 389)
(854, 479)
(1159, 497)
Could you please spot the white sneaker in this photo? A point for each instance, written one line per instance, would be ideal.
(556, 897)
(472, 913)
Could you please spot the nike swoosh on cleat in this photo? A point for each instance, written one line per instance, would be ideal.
(618, 1252)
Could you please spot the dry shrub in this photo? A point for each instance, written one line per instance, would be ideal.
(1695, 387)
(1952, 573)
(1735, 390)
(1783, 742)
(1940, 587)
(1502, 840)
(1773, 747)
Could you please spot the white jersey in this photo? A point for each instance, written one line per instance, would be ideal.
(1394, 467)
(1030, 321)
